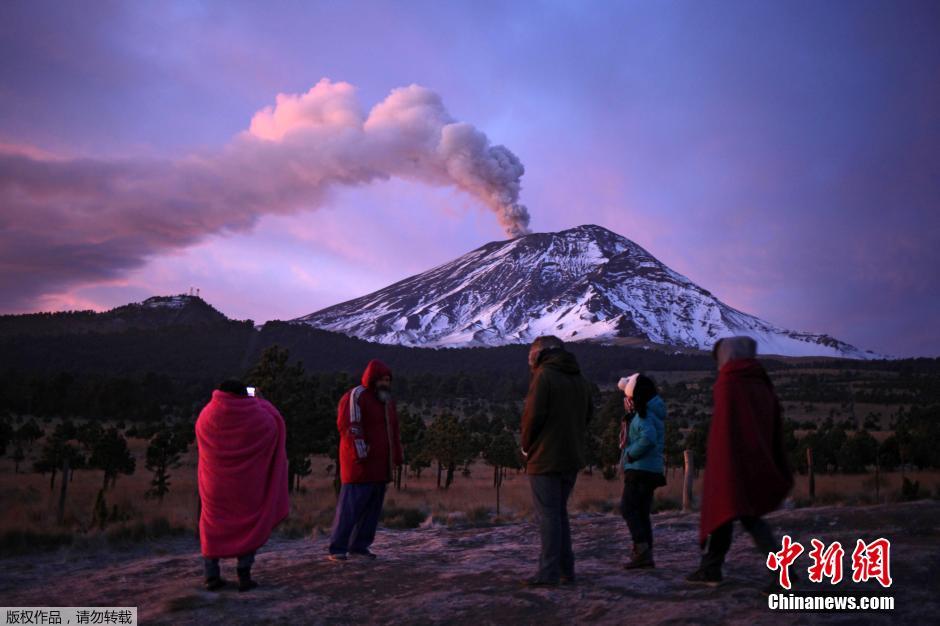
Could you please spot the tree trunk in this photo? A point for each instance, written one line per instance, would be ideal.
(812, 474)
(62, 493)
(687, 482)
(439, 470)
(104, 485)
(450, 476)
(498, 484)
(52, 479)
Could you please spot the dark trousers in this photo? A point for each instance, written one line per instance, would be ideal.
(357, 516)
(213, 570)
(719, 542)
(550, 494)
(635, 505)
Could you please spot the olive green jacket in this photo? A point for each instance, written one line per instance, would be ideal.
(558, 408)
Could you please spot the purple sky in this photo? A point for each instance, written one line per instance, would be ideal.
(785, 156)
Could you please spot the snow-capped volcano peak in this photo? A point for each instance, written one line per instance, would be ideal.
(582, 283)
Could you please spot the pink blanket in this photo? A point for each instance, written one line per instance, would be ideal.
(242, 474)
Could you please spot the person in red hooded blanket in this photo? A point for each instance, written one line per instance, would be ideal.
(746, 470)
(242, 477)
(369, 452)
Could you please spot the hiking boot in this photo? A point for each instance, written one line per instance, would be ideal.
(365, 554)
(535, 581)
(774, 585)
(642, 557)
(245, 583)
(702, 576)
(337, 558)
(214, 583)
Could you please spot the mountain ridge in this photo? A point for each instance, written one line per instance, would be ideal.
(152, 313)
(583, 283)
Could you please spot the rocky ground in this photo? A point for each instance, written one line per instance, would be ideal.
(473, 575)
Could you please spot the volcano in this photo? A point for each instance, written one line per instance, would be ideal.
(582, 284)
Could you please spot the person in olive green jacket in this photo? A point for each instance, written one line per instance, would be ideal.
(558, 408)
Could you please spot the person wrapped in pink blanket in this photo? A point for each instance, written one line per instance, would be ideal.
(242, 479)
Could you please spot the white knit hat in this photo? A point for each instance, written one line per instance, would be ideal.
(627, 385)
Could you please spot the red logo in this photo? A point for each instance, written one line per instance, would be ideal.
(869, 561)
(872, 560)
(783, 559)
(827, 562)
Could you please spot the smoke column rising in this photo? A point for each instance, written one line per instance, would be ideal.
(70, 221)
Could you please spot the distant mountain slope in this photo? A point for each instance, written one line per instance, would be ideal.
(586, 283)
(152, 313)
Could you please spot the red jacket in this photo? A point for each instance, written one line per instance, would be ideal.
(369, 442)
(746, 467)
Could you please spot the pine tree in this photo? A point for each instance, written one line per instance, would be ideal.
(450, 444)
(501, 452)
(672, 444)
(28, 433)
(284, 385)
(111, 455)
(18, 457)
(6, 435)
(56, 449)
(163, 454)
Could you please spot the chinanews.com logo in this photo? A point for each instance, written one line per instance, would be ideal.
(870, 562)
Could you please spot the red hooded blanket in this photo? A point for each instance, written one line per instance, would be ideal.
(242, 474)
(370, 443)
(746, 471)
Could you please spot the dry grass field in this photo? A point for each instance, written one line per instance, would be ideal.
(29, 506)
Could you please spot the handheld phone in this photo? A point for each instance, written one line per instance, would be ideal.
(251, 391)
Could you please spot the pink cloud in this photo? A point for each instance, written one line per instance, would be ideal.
(68, 222)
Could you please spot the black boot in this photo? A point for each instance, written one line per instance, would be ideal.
(245, 583)
(709, 572)
(709, 576)
(642, 557)
(214, 583)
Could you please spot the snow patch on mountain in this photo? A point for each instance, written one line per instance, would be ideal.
(586, 283)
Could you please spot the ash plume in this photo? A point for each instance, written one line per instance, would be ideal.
(69, 221)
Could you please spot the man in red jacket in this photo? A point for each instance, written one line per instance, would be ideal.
(369, 451)
(746, 470)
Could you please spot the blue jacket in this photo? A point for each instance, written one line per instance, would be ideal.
(645, 438)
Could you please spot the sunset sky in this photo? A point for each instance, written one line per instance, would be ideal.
(783, 155)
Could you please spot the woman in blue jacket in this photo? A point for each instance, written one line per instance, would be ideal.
(642, 460)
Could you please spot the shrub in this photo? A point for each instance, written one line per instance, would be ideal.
(666, 504)
(479, 515)
(910, 489)
(15, 542)
(402, 517)
(597, 505)
(141, 531)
